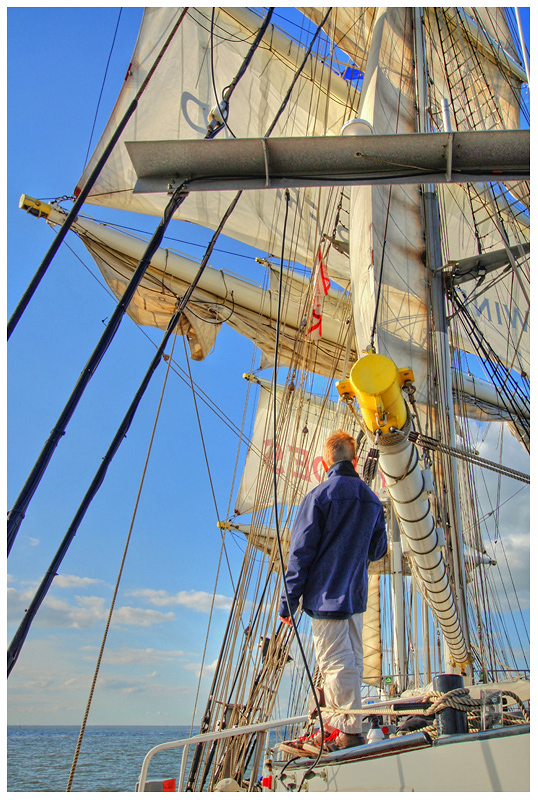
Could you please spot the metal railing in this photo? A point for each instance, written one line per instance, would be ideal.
(209, 737)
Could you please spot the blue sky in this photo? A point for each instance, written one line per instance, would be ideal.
(155, 647)
(56, 63)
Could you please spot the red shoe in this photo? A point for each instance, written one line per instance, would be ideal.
(337, 740)
(297, 746)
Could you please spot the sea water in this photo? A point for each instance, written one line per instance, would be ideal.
(39, 758)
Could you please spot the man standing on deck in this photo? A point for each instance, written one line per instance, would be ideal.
(339, 529)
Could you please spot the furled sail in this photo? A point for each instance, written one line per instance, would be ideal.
(201, 60)
(386, 226)
(219, 297)
(371, 633)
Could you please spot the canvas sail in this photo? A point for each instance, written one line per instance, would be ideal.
(381, 42)
(386, 226)
(221, 297)
(387, 245)
(177, 103)
(306, 421)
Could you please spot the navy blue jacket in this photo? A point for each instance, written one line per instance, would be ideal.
(339, 529)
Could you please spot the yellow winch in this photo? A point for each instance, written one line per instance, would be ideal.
(376, 382)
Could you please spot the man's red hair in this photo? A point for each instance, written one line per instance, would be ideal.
(340, 446)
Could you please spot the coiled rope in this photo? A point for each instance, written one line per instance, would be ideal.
(458, 699)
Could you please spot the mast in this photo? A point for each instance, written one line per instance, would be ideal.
(399, 659)
(445, 407)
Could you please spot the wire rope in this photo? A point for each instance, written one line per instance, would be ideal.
(102, 90)
(118, 579)
(27, 296)
(20, 636)
(275, 489)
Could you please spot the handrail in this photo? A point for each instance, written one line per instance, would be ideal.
(208, 737)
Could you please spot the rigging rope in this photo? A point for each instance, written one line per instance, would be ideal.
(18, 511)
(296, 76)
(466, 455)
(20, 636)
(223, 107)
(101, 92)
(223, 542)
(27, 296)
(508, 389)
(182, 375)
(118, 579)
(275, 490)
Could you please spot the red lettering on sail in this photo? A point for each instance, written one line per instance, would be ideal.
(321, 289)
(317, 468)
(268, 456)
(301, 462)
(315, 330)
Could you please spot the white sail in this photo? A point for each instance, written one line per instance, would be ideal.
(299, 447)
(219, 297)
(177, 103)
(386, 240)
(387, 101)
(387, 231)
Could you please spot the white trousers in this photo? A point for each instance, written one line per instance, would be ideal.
(338, 644)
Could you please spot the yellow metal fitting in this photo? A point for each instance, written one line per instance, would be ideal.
(376, 383)
(35, 207)
(344, 387)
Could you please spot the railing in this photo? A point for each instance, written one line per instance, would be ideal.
(209, 737)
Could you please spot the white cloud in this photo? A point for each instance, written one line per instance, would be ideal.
(90, 611)
(142, 656)
(196, 601)
(73, 581)
(143, 617)
(208, 669)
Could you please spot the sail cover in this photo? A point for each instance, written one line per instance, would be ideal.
(176, 105)
(371, 633)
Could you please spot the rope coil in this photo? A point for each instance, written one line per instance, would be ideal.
(459, 699)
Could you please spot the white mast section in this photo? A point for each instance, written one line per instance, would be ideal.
(523, 48)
